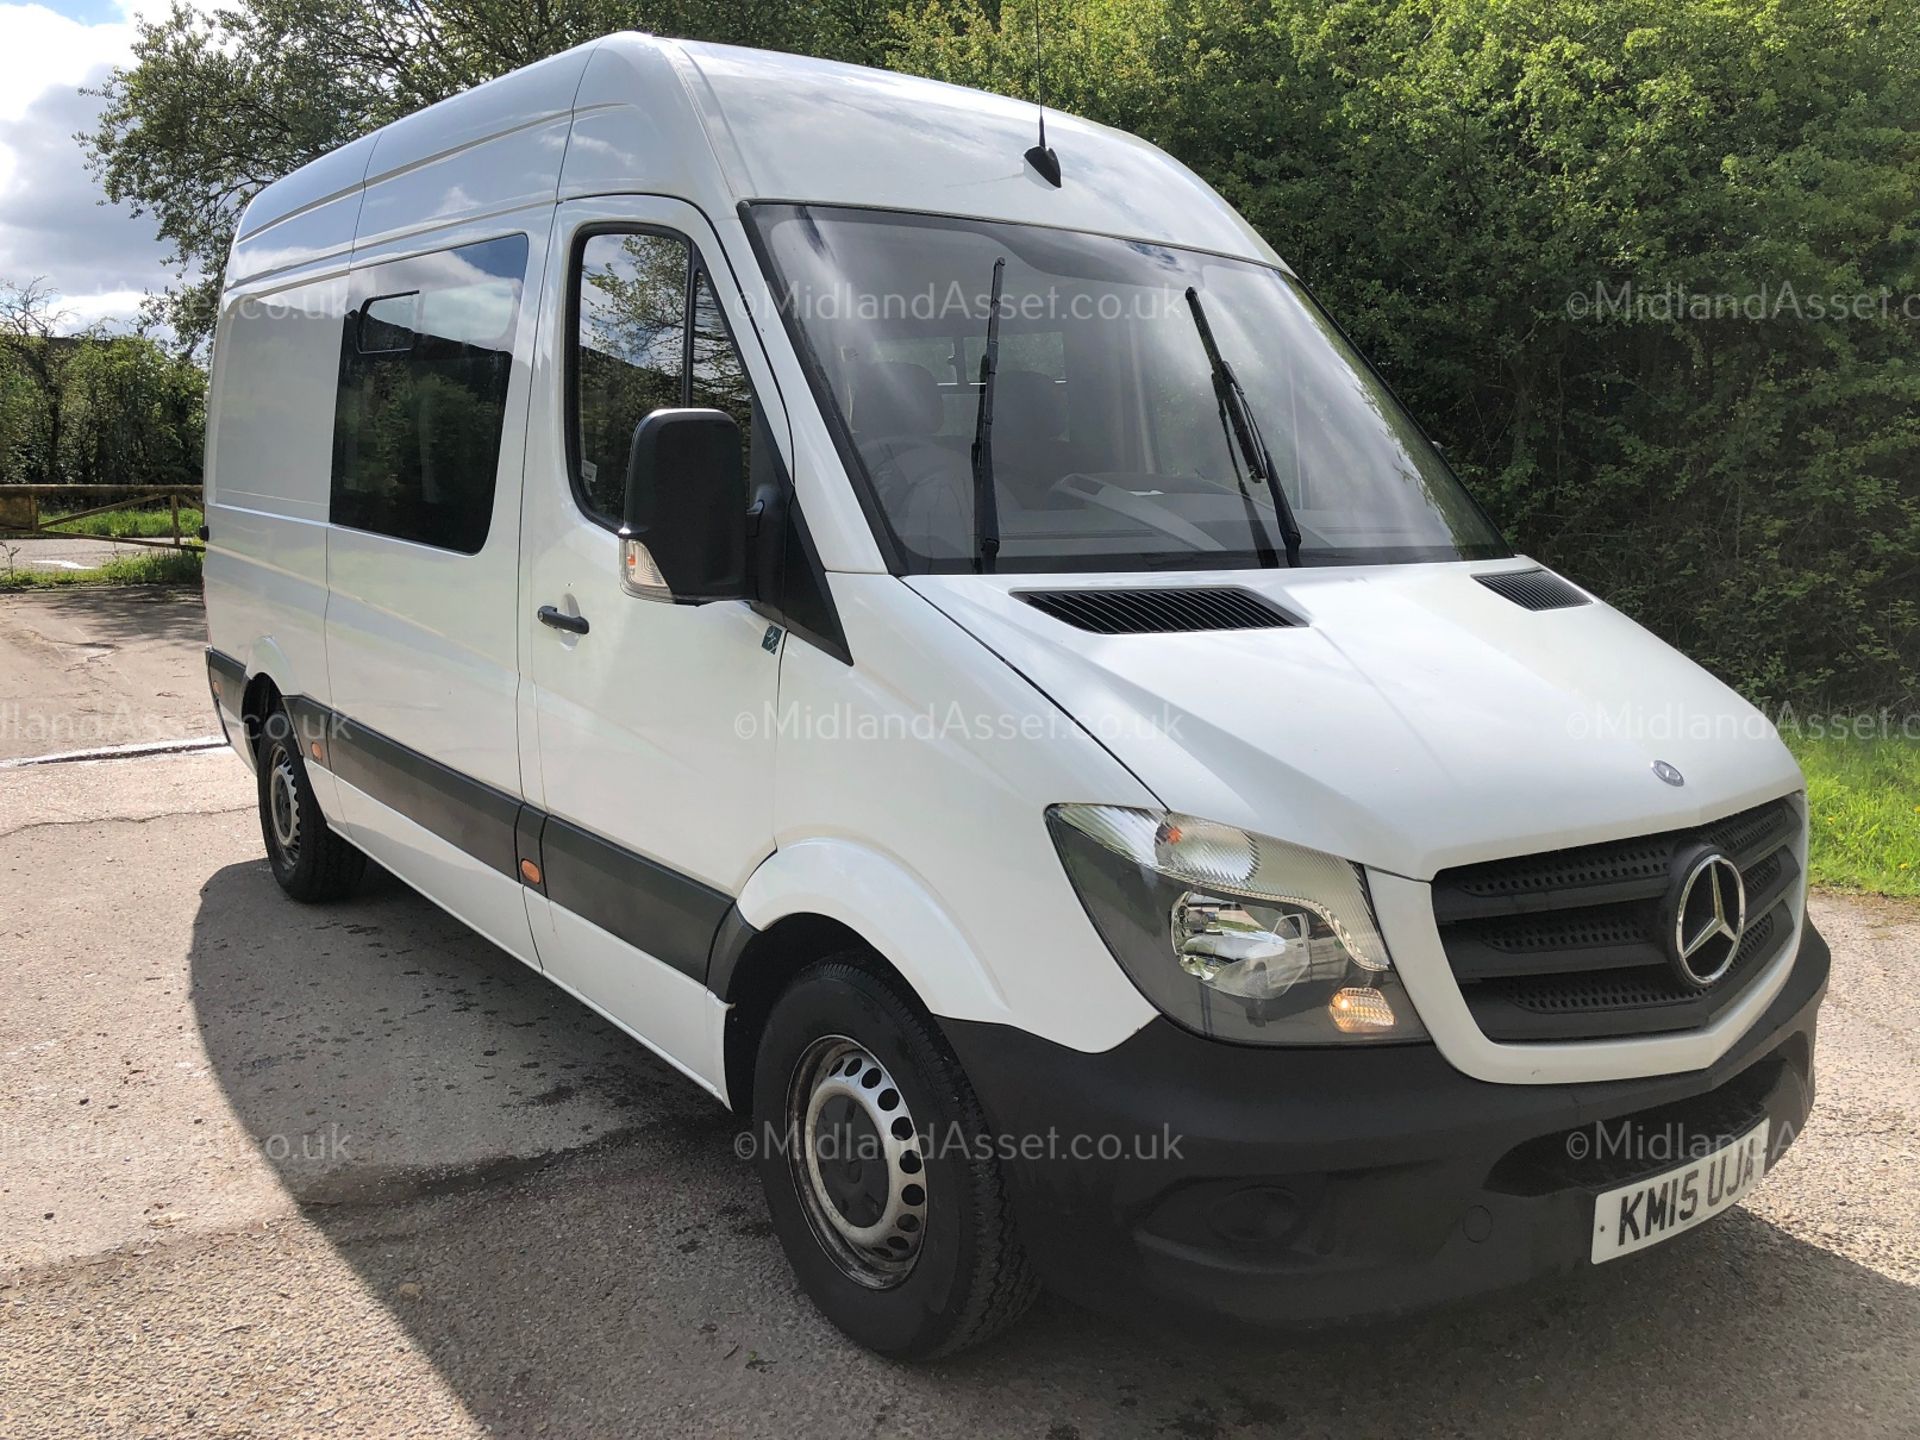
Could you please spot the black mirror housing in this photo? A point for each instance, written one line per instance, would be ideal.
(685, 533)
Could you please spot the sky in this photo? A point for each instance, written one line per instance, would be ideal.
(53, 219)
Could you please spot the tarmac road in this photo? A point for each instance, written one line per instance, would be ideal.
(270, 1170)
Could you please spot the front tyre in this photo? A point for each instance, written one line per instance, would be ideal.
(879, 1170)
(310, 862)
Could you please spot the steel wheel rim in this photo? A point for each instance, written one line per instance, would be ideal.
(857, 1163)
(283, 802)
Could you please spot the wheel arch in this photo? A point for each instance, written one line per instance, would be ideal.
(265, 665)
(825, 897)
(262, 695)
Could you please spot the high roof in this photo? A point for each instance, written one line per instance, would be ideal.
(717, 124)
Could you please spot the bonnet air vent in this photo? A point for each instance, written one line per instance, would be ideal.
(1158, 612)
(1534, 589)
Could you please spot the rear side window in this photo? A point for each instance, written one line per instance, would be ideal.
(424, 367)
(648, 335)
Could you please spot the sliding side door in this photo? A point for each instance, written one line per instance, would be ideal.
(423, 568)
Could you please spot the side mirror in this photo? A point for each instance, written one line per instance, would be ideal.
(685, 536)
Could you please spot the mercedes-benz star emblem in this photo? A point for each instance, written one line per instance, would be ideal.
(1668, 773)
(1709, 917)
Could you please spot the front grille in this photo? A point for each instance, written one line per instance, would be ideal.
(1570, 944)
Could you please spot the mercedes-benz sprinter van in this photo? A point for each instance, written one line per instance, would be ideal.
(942, 639)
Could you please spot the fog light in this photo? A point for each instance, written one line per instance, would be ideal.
(1358, 1009)
(1255, 1215)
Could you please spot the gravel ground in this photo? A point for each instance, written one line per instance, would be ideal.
(86, 668)
(67, 552)
(276, 1171)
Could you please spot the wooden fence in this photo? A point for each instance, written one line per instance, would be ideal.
(20, 512)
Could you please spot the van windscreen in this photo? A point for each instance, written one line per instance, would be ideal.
(1115, 440)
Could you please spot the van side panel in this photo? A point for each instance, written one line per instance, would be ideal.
(910, 792)
(495, 149)
(272, 431)
(288, 244)
(627, 137)
(470, 121)
(270, 437)
(326, 191)
(505, 174)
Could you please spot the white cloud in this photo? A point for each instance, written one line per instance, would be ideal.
(52, 222)
(110, 306)
(40, 50)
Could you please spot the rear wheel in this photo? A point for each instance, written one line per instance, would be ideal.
(879, 1169)
(308, 859)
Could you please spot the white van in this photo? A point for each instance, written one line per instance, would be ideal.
(945, 642)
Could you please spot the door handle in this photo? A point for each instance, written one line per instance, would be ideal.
(560, 620)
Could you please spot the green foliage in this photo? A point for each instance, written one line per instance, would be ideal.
(148, 567)
(153, 523)
(112, 410)
(19, 420)
(135, 414)
(1473, 187)
(1863, 802)
(92, 408)
(1508, 206)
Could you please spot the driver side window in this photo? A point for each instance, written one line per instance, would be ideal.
(648, 335)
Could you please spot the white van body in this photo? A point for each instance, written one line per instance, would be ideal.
(677, 811)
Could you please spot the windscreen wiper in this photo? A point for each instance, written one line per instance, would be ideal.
(1237, 414)
(986, 506)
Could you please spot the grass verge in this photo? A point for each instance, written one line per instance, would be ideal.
(118, 524)
(1863, 802)
(149, 567)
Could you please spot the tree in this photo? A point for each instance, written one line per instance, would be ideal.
(219, 102)
(36, 353)
(92, 408)
(135, 414)
(19, 422)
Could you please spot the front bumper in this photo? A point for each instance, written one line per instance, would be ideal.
(1182, 1176)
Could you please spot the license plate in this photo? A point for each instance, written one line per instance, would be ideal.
(1649, 1211)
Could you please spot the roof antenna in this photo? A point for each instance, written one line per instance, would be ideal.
(1041, 156)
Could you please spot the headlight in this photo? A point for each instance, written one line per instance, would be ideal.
(1235, 935)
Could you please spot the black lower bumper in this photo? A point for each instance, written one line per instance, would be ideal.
(1180, 1175)
(227, 680)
